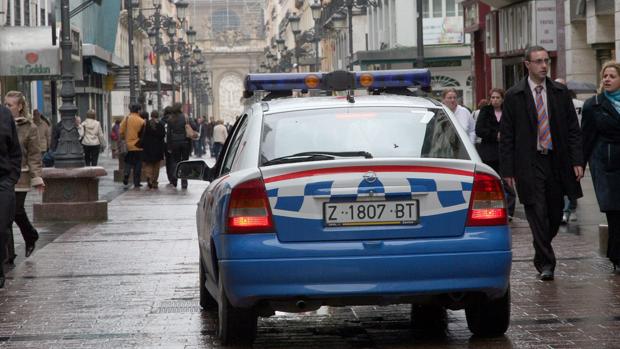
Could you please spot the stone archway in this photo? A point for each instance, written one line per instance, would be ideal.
(230, 91)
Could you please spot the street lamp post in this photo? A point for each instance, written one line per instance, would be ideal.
(132, 68)
(294, 22)
(153, 25)
(69, 152)
(350, 15)
(316, 15)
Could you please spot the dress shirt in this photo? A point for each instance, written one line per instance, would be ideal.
(467, 122)
(533, 85)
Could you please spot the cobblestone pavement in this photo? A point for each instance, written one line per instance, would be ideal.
(132, 282)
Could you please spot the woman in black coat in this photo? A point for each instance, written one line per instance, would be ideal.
(601, 148)
(179, 146)
(487, 128)
(153, 149)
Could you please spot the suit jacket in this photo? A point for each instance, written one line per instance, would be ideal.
(487, 128)
(519, 135)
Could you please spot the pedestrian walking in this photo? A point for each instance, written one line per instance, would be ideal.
(475, 115)
(199, 144)
(153, 145)
(179, 145)
(209, 134)
(601, 148)
(570, 205)
(487, 128)
(450, 99)
(220, 133)
(115, 135)
(170, 166)
(10, 170)
(92, 138)
(130, 131)
(31, 165)
(541, 153)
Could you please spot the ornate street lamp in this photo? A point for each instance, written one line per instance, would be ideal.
(181, 9)
(191, 36)
(293, 20)
(316, 16)
(280, 44)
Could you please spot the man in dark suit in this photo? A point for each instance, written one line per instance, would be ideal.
(540, 152)
(10, 169)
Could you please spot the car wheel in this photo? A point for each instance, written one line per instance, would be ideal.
(429, 318)
(207, 302)
(489, 317)
(235, 325)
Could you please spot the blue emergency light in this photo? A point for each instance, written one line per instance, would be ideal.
(338, 80)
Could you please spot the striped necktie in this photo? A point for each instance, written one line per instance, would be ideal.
(544, 132)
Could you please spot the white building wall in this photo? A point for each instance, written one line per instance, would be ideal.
(405, 18)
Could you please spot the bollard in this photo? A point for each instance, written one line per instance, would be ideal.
(603, 235)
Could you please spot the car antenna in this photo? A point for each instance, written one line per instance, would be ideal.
(351, 96)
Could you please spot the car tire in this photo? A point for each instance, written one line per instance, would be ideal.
(207, 302)
(429, 318)
(489, 317)
(235, 325)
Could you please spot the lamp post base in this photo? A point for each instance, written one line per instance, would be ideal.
(71, 194)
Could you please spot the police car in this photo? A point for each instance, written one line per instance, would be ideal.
(350, 200)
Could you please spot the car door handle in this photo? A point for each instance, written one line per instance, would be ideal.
(372, 244)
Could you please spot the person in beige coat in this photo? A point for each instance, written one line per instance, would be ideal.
(30, 176)
(92, 138)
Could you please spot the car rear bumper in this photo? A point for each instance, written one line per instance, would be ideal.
(309, 276)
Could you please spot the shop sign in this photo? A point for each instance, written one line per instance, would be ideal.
(546, 35)
(527, 24)
(515, 28)
(33, 57)
(440, 31)
(471, 17)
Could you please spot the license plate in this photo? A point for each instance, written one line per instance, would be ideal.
(338, 214)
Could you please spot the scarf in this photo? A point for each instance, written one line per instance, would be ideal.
(614, 98)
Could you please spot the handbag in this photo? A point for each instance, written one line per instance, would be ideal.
(189, 131)
(122, 142)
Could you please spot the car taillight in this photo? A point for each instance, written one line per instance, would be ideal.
(248, 209)
(486, 205)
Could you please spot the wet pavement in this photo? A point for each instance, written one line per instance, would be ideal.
(132, 282)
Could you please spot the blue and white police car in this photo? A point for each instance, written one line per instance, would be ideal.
(350, 200)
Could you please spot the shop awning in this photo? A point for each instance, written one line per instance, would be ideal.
(99, 66)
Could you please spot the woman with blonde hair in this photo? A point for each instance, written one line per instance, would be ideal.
(92, 138)
(600, 124)
(30, 168)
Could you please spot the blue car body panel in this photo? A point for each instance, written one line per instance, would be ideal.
(258, 266)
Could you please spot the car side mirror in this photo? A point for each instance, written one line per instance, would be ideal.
(193, 169)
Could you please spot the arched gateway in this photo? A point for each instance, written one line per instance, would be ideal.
(232, 37)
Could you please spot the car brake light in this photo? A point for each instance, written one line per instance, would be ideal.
(248, 209)
(486, 205)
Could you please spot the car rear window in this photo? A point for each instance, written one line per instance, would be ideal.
(384, 132)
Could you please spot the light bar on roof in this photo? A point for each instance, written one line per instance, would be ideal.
(377, 79)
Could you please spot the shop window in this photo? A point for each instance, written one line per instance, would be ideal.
(437, 8)
(451, 8)
(425, 8)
